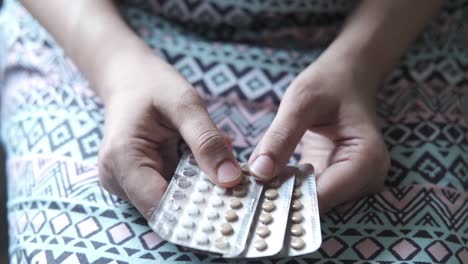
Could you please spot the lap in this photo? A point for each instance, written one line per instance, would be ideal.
(52, 125)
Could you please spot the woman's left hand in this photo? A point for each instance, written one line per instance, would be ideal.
(331, 107)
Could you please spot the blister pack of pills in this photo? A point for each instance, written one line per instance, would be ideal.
(250, 220)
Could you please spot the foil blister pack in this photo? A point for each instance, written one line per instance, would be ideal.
(250, 220)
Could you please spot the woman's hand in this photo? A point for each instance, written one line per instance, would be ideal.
(149, 107)
(331, 107)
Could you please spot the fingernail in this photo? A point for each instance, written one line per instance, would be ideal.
(228, 172)
(263, 167)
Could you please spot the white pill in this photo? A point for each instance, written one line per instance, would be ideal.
(207, 227)
(197, 198)
(193, 210)
(203, 186)
(187, 223)
(221, 243)
(182, 234)
(173, 206)
(212, 214)
(216, 201)
(202, 239)
(219, 190)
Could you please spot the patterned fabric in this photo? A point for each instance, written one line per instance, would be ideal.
(52, 124)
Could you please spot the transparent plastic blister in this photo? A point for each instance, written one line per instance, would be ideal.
(303, 232)
(197, 214)
(247, 221)
(271, 220)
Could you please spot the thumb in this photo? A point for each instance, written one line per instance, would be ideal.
(277, 145)
(209, 146)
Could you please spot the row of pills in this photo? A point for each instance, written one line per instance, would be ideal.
(297, 218)
(271, 222)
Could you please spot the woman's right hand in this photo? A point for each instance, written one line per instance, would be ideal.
(149, 107)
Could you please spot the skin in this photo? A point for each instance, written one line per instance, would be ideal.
(150, 106)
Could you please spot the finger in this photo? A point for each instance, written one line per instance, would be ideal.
(277, 145)
(343, 181)
(144, 188)
(208, 145)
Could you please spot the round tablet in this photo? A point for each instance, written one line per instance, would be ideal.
(268, 206)
(297, 230)
(297, 243)
(193, 210)
(230, 216)
(178, 195)
(212, 214)
(169, 217)
(216, 201)
(297, 205)
(297, 193)
(192, 161)
(189, 172)
(265, 218)
(197, 198)
(297, 217)
(263, 231)
(239, 191)
(245, 180)
(221, 243)
(271, 194)
(226, 229)
(219, 190)
(206, 227)
(298, 181)
(173, 206)
(245, 169)
(202, 239)
(183, 182)
(187, 223)
(275, 183)
(260, 245)
(203, 186)
(235, 203)
(182, 234)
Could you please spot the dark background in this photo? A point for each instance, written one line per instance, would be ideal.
(3, 218)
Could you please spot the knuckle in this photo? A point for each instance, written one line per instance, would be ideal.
(210, 141)
(188, 103)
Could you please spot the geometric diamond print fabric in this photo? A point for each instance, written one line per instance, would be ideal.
(52, 125)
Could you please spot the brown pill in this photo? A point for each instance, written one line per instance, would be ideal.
(297, 230)
(226, 229)
(245, 180)
(275, 183)
(297, 193)
(260, 245)
(230, 216)
(297, 243)
(298, 181)
(297, 205)
(271, 194)
(268, 206)
(245, 169)
(263, 231)
(239, 191)
(297, 217)
(235, 203)
(265, 218)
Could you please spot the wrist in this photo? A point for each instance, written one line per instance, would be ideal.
(123, 72)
